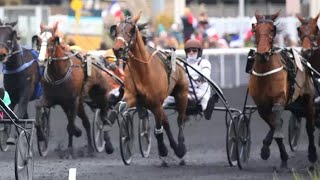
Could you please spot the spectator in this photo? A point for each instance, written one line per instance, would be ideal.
(189, 22)
(103, 46)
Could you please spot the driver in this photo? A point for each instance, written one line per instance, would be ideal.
(193, 50)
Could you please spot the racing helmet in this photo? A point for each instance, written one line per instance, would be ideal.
(193, 44)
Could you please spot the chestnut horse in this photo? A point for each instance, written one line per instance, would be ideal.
(148, 83)
(270, 89)
(66, 83)
(21, 72)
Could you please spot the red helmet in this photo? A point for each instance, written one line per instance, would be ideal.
(193, 43)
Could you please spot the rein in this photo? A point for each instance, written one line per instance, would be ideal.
(23, 66)
(131, 55)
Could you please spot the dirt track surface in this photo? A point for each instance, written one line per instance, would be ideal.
(206, 157)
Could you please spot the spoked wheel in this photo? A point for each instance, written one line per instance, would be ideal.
(43, 142)
(294, 132)
(23, 164)
(126, 138)
(4, 135)
(144, 135)
(97, 132)
(244, 141)
(232, 142)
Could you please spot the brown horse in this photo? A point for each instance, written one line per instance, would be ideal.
(309, 36)
(148, 83)
(66, 83)
(270, 88)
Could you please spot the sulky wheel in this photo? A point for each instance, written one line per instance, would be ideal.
(97, 132)
(232, 142)
(43, 142)
(4, 135)
(126, 138)
(23, 164)
(244, 141)
(294, 132)
(144, 134)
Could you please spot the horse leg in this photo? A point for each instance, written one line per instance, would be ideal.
(86, 124)
(12, 135)
(310, 127)
(40, 103)
(158, 132)
(283, 153)
(277, 110)
(182, 102)
(71, 111)
(265, 115)
(277, 123)
(265, 150)
(108, 145)
(21, 113)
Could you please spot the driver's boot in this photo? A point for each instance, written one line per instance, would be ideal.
(210, 106)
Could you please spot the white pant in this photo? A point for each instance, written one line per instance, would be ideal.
(202, 91)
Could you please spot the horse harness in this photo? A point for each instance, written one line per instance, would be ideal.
(287, 59)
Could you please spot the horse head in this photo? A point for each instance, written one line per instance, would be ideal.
(48, 40)
(308, 34)
(8, 40)
(125, 35)
(265, 30)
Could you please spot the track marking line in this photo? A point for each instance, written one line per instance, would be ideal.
(72, 173)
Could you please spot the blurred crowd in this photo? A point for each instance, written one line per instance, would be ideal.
(165, 33)
(190, 27)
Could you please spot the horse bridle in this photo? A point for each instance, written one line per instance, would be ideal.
(128, 45)
(52, 50)
(312, 37)
(10, 45)
(266, 55)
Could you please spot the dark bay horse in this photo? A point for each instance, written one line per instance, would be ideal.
(66, 83)
(148, 83)
(21, 72)
(270, 88)
(308, 33)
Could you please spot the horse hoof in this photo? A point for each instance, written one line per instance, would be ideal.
(164, 164)
(284, 165)
(163, 151)
(265, 153)
(77, 132)
(109, 148)
(182, 162)
(181, 151)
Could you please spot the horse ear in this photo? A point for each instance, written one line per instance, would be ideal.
(257, 15)
(301, 19)
(274, 16)
(56, 41)
(35, 42)
(316, 18)
(142, 26)
(12, 24)
(55, 26)
(136, 18)
(113, 30)
(253, 27)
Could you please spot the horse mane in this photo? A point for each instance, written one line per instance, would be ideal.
(141, 45)
(276, 23)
